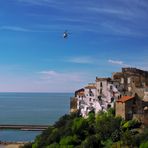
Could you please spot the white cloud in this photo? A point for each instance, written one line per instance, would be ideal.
(51, 3)
(122, 18)
(107, 10)
(22, 29)
(81, 60)
(117, 62)
(119, 29)
(14, 28)
(44, 81)
(53, 76)
(49, 73)
(36, 2)
(63, 81)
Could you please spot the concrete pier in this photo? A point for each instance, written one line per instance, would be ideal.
(24, 127)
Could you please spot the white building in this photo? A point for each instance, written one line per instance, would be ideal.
(91, 98)
(103, 94)
(97, 96)
(87, 100)
(107, 92)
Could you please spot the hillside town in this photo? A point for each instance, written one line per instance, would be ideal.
(125, 91)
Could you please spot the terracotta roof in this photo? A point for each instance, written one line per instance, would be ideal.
(79, 90)
(125, 98)
(102, 79)
(90, 87)
(81, 93)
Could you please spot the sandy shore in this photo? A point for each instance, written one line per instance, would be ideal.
(10, 145)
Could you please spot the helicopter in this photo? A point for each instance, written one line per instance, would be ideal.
(65, 35)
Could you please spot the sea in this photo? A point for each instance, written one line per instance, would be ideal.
(30, 108)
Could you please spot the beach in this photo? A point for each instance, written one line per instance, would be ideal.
(17, 145)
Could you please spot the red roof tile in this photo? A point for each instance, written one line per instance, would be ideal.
(90, 87)
(81, 93)
(125, 98)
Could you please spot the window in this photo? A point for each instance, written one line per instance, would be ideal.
(90, 91)
(128, 80)
(122, 80)
(99, 97)
(100, 84)
(134, 101)
(111, 87)
(108, 106)
(92, 94)
(112, 99)
(89, 99)
(102, 108)
(101, 91)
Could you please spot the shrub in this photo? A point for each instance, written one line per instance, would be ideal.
(69, 140)
(144, 144)
(92, 142)
(79, 127)
(131, 124)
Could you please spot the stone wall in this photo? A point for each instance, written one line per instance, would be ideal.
(73, 105)
(134, 81)
(145, 119)
(120, 109)
(129, 110)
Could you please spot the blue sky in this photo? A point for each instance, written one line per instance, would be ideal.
(104, 35)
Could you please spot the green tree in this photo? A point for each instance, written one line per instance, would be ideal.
(69, 140)
(144, 144)
(79, 127)
(92, 141)
(106, 124)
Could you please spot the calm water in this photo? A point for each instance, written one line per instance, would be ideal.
(30, 108)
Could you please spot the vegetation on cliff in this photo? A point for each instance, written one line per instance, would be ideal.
(102, 130)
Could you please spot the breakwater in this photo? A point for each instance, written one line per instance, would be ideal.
(24, 127)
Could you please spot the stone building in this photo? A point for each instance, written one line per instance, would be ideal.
(132, 80)
(128, 106)
(145, 107)
(75, 101)
(145, 117)
(128, 88)
(97, 96)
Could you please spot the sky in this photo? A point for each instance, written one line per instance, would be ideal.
(104, 36)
